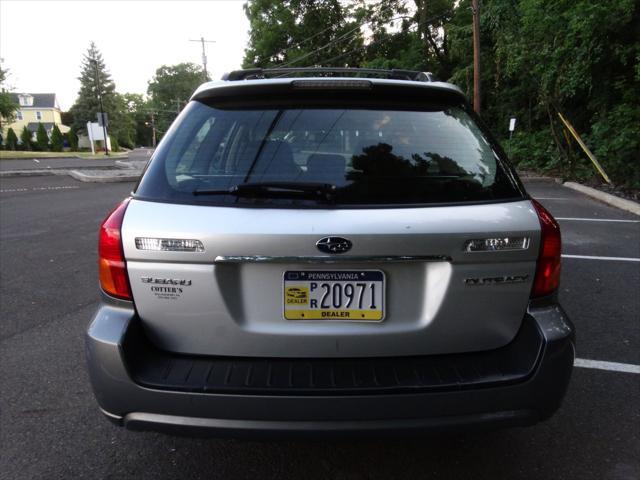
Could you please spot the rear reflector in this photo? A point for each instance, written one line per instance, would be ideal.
(112, 265)
(548, 268)
(498, 244)
(169, 244)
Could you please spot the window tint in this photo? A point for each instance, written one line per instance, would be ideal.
(371, 156)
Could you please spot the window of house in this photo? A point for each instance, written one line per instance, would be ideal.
(19, 115)
(25, 100)
(38, 115)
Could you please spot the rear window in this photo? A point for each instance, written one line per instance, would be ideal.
(359, 156)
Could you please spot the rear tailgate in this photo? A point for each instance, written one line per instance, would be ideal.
(228, 299)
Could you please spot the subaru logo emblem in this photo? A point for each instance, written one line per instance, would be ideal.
(334, 245)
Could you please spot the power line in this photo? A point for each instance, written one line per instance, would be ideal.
(336, 40)
(301, 42)
(327, 45)
(295, 45)
(323, 47)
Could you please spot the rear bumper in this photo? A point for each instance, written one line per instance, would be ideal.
(131, 393)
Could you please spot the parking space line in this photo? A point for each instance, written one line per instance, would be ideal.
(37, 189)
(551, 198)
(596, 220)
(609, 366)
(612, 259)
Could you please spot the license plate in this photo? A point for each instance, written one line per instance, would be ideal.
(353, 295)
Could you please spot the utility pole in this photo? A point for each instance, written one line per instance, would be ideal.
(178, 105)
(475, 8)
(153, 129)
(204, 55)
(104, 123)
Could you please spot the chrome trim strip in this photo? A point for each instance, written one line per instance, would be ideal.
(329, 259)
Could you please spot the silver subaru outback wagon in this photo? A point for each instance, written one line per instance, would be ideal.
(328, 251)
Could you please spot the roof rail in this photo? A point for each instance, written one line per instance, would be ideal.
(261, 73)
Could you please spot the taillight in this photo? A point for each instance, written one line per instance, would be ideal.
(112, 266)
(548, 269)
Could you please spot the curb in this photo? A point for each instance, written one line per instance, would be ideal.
(111, 156)
(44, 172)
(58, 157)
(120, 176)
(541, 179)
(621, 203)
(32, 173)
(131, 164)
(123, 164)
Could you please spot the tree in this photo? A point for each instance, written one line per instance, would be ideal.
(11, 143)
(72, 138)
(299, 33)
(170, 90)
(66, 118)
(95, 81)
(57, 140)
(25, 138)
(139, 111)
(8, 107)
(42, 139)
(539, 58)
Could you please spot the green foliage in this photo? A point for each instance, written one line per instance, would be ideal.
(11, 142)
(115, 146)
(72, 138)
(25, 138)
(170, 90)
(297, 32)
(67, 118)
(42, 139)
(121, 124)
(538, 58)
(57, 139)
(139, 111)
(95, 81)
(616, 139)
(8, 107)
(534, 150)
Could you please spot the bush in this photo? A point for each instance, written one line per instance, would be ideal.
(11, 141)
(42, 139)
(25, 138)
(57, 140)
(615, 141)
(534, 150)
(115, 146)
(72, 138)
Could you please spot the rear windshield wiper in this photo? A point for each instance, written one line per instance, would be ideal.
(266, 189)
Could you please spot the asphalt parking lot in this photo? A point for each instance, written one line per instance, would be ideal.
(50, 426)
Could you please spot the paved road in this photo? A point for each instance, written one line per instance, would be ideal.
(50, 426)
(66, 163)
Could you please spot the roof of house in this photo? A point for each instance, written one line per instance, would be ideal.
(40, 100)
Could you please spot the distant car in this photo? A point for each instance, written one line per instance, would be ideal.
(329, 251)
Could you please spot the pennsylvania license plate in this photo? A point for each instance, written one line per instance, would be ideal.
(356, 295)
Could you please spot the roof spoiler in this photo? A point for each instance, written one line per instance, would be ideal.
(394, 74)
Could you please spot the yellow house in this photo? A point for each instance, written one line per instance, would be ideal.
(35, 108)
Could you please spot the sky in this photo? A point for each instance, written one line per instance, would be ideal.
(42, 42)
